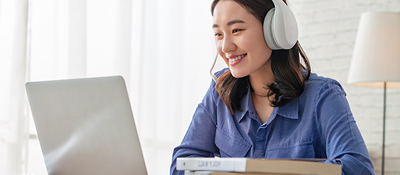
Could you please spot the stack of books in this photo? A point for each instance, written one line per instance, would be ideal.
(251, 166)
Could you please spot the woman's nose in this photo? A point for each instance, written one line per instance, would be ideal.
(228, 45)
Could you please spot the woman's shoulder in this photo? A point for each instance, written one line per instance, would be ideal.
(212, 91)
(317, 83)
(212, 102)
(315, 78)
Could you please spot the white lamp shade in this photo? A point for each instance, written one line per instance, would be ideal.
(376, 56)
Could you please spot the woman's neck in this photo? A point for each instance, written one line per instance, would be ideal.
(259, 81)
(261, 78)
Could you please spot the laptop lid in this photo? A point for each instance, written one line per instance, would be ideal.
(86, 126)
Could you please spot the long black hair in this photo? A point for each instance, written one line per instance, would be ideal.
(286, 65)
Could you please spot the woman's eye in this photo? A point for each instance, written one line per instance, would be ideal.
(217, 35)
(236, 30)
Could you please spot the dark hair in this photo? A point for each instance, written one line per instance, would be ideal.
(289, 72)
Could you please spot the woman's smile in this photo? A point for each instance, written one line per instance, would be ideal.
(235, 59)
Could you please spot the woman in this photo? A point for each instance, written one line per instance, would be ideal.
(267, 104)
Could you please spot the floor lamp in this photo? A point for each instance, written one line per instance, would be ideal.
(376, 57)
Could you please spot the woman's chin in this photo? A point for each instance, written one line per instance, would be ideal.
(238, 74)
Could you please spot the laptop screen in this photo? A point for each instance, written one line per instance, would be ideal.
(86, 126)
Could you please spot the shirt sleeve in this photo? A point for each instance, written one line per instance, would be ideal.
(200, 136)
(341, 135)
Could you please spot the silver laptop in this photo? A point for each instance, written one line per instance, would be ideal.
(86, 127)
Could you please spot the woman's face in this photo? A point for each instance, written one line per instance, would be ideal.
(239, 39)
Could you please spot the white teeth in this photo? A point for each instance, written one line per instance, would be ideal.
(236, 58)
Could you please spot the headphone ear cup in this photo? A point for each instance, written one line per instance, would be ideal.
(280, 27)
(268, 33)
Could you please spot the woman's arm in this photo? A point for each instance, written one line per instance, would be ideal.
(341, 135)
(200, 136)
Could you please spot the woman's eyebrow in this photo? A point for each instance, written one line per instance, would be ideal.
(229, 23)
(234, 22)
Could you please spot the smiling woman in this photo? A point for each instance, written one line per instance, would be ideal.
(267, 104)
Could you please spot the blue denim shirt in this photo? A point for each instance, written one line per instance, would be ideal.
(317, 124)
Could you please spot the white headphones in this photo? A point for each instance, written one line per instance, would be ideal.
(280, 27)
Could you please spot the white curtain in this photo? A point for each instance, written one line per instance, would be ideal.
(163, 49)
(13, 123)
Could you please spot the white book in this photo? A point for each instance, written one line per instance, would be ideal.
(187, 172)
(288, 166)
(212, 164)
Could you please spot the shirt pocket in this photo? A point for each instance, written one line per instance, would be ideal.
(297, 150)
(230, 145)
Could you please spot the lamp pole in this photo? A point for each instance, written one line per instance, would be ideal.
(384, 128)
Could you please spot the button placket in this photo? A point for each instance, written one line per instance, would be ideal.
(259, 145)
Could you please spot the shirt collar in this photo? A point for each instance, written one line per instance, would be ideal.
(290, 110)
(246, 105)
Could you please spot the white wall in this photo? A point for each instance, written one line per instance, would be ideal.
(327, 33)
